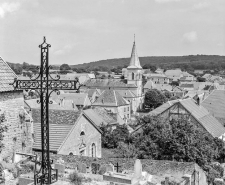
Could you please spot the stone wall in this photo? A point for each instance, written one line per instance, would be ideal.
(18, 137)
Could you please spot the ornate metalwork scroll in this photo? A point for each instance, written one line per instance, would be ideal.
(44, 84)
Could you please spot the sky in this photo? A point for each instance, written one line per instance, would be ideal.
(81, 31)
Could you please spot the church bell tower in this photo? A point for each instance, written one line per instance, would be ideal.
(134, 70)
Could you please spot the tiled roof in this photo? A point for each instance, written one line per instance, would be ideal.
(211, 124)
(7, 76)
(57, 134)
(173, 73)
(94, 117)
(64, 117)
(215, 103)
(77, 98)
(163, 87)
(149, 85)
(126, 93)
(108, 117)
(108, 83)
(110, 98)
(187, 85)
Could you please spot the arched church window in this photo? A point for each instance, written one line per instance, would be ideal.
(132, 76)
(93, 150)
(82, 133)
(71, 153)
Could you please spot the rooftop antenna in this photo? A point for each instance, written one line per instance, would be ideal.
(134, 38)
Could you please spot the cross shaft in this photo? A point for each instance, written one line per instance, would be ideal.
(44, 84)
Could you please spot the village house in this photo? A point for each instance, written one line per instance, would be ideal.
(189, 109)
(158, 78)
(133, 83)
(70, 132)
(18, 137)
(115, 103)
(80, 100)
(215, 104)
(174, 74)
(93, 94)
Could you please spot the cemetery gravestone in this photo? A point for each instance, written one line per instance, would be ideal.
(137, 169)
(60, 168)
(109, 168)
(95, 168)
(81, 167)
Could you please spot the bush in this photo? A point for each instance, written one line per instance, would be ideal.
(75, 179)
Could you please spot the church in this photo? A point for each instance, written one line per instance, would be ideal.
(130, 88)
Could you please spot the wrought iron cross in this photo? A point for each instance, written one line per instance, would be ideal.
(44, 84)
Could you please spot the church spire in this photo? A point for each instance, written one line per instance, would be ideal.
(134, 60)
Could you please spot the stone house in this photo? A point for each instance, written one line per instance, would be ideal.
(189, 109)
(93, 94)
(71, 132)
(79, 100)
(115, 103)
(18, 137)
(158, 78)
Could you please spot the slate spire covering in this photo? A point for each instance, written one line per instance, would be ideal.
(134, 60)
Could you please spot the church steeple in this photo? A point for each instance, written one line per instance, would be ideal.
(134, 60)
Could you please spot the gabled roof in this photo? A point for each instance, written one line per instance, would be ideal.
(98, 83)
(7, 77)
(173, 73)
(163, 87)
(187, 85)
(110, 98)
(134, 60)
(149, 85)
(77, 98)
(108, 117)
(90, 92)
(57, 134)
(61, 125)
(215, 103)
(126, 93)
(211, 124)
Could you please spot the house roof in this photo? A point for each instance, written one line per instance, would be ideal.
(149, 85)
(211, 124)
(134, 60)
(110, 98)
(77, 98)
(173, 73)
(187, 85)
(126, 93)
(90, 92)
(163, 87)
(7, 77)
(32, 103)
(60, 125)
(157, 75)
(108, 117)
(215, 103)
(57, 134)
(108, 83)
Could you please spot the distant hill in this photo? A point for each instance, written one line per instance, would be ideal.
(159, 61)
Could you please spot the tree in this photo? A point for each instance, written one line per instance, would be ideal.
(111, 138)
(149, 66)
(178, 139)
(154, 98)
(2, 130)
(65, 67)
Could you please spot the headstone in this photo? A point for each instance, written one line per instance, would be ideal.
(60, 168)
(95, 168)
(109, 167)
(137, 169)
(102, 170)
(81, 167)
